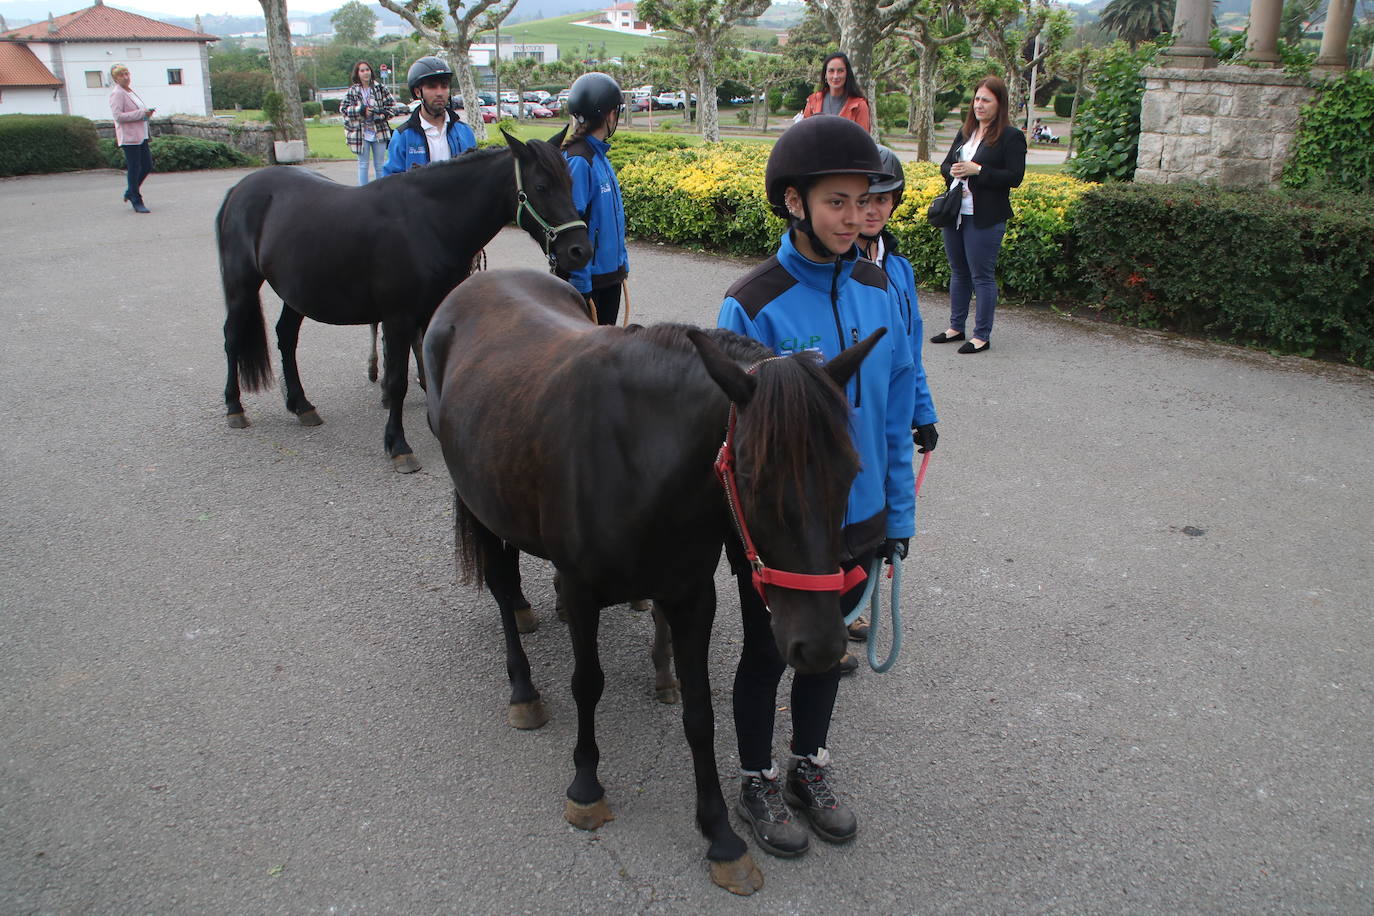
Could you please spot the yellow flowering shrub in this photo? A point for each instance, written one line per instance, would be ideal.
(712, 197)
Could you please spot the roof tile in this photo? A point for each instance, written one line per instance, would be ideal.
(103, 23)
(19, 67)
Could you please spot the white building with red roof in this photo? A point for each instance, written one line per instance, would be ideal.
(62, 64)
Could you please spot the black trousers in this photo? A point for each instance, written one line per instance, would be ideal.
(760, 669)
(139, 161)
(607, 302)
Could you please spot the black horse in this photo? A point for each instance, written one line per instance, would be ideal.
(385, 252)
(593, 447)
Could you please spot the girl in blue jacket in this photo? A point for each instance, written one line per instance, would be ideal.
(817, 294)
(594, 102)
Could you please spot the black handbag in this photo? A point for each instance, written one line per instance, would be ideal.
(944, 209)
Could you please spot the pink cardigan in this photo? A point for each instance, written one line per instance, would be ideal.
(131, 127)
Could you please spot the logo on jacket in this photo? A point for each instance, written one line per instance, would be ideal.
(789, 346)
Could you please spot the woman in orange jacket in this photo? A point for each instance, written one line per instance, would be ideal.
(839, 93)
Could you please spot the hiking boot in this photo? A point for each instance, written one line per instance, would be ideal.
(809, 792)
(858, 630)
(775, 830)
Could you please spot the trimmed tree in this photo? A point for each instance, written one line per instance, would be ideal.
(283, 65)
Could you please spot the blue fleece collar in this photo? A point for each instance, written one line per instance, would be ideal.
(816, 276)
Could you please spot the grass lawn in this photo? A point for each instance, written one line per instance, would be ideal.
(561, 31)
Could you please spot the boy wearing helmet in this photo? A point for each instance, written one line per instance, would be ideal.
(433, 132)
(816, 294)
(594, 102)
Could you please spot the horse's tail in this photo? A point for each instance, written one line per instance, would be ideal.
(467, 544)
(245, 333)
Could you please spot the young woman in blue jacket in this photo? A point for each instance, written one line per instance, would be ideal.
(817, 294)
(594, 103)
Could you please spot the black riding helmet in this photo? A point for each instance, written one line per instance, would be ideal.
(423, 69)
(816, 146)
(896, 184)
(593, 97)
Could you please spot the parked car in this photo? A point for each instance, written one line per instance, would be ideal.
(676, 100)
(489, 115)
(537, 96)
(510, 96)
(640, 103)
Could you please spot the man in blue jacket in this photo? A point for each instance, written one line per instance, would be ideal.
(433, 132)
(817, 294)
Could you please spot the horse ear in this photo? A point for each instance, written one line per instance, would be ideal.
(843, 367)
(516, 146)
(557, 139)
(737, 384)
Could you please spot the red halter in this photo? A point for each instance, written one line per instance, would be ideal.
(764, 575)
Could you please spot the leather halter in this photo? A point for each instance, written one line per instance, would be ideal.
(765, 575)
(551, 233)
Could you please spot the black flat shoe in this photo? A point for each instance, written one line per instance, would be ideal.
(941, 338)
(970, 348)
(126, 197)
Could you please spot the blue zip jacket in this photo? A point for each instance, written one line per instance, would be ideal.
(409, 149)
(596, 195)
(792, 304)
(902, 281)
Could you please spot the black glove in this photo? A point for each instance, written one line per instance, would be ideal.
(925, 436)
(894, 549)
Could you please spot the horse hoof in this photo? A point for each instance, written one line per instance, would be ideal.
(309, 418)
(588, 817)
(525, 621)
(237, 420)
(642, 605)
(527, 716)
(741, 876)
(405, 464)
(668, 695)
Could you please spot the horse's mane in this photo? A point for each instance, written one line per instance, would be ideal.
(797, 420)
(544, 152)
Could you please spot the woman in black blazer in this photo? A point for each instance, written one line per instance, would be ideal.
(989, 157)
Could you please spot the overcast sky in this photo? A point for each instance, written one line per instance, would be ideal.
(190, 8)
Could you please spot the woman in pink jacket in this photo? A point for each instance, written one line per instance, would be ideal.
(131, 133)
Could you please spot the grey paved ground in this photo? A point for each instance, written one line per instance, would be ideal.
(238, 677)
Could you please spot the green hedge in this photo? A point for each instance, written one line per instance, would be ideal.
(37, 144)
(182, 154)
(713, 196)
(1284, 271)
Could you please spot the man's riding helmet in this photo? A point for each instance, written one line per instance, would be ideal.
(423, 69)
(593, 97)
(820, 145)
(896, 184)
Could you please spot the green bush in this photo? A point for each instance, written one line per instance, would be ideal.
(1063, 105)
(181, 154)
(712, 196)
(1286, 271)
(239, 88)
(1335, 143)
(311, 109)
(274, 109)
(38, 144)
(1108, 124)
(331, 105)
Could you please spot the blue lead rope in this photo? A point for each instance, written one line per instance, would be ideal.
(872, 599)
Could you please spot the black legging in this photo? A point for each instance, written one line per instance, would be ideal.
(138, 160)
(760, 669)
(607, 302)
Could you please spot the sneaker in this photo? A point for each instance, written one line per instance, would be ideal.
(858, 630)
(761, 805)
(809, 792)
(848, 663)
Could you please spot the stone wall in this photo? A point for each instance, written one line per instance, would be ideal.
(255, 139)
(1231, 126)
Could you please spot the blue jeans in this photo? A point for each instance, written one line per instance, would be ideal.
(972, 254)
(138, 162)
(378, 151)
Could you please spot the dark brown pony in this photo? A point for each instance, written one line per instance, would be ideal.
(385, 252)
(594, 447)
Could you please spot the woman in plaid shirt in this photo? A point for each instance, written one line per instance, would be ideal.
(366, 110)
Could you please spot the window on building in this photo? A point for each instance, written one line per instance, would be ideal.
(94, 79)
(174, 77)
(133, 52)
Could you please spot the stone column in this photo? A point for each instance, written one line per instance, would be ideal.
(1263, 43)
(1192, 27)
(1340, 15)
